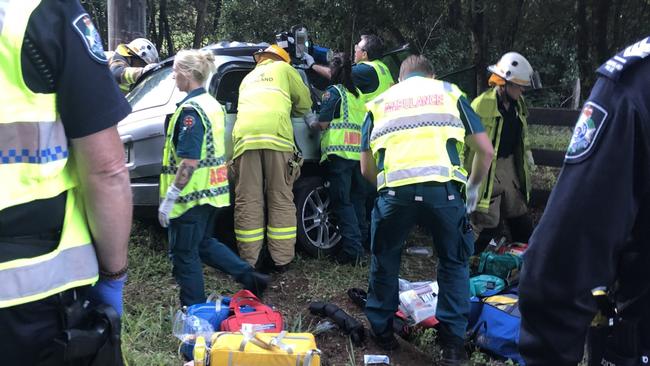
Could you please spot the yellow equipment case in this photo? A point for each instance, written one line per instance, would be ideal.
(268, 349)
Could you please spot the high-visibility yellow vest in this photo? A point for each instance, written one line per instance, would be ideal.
(384, 76)
(209, 182)
(343, 136)
(486, 107)
(34, 165)
(413, 123)
(263, 111)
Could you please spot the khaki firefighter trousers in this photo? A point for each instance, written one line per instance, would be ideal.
(264, 184)
(507, 199)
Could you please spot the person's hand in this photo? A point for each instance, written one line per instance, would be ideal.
(167, 204)
(307, 62)
(472, 197)
(311, 120)
(531, 161)
(149, 67)
(108, 292)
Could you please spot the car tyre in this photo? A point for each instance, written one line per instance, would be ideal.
(317, 232)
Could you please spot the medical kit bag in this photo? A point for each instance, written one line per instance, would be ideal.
(485, 285)
(496, 330)
(501, 265)
(256, 348)
(248, 309)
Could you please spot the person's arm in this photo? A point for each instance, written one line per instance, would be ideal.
(104, 183)
(330, 107)
(484, 152)
(188, 149)
(323, 71)
(300, 96)
(477, 140)
(368, 165)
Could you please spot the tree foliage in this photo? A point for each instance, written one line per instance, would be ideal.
(563, 40)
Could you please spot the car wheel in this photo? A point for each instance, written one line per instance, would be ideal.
(317, 233)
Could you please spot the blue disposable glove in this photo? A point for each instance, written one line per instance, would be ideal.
(108, 292)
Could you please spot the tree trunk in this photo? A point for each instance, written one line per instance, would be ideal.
(582, 42)
(199, 30)
(476, 16)
(165, 31)
(153, 30)
(600, 16)
(126, 21)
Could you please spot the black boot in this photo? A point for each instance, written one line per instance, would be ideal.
(256, 282)
(521, 228)
(453, 348)
(386, 342)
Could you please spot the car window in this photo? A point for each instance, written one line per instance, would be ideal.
(155, 90)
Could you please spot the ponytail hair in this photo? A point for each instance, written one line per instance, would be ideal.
(341, 68)
(195, 64)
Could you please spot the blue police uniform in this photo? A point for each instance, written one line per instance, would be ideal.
(395, 212)
(595, 230)
(348, 188)
(56, 58)
(190, 235)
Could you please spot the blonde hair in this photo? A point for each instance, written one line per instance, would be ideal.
(416, 63)
(195, 64)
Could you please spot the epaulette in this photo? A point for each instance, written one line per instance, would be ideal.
(615, 66)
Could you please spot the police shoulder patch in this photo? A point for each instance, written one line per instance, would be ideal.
(90, 37)
(188, 121)
(587, 129)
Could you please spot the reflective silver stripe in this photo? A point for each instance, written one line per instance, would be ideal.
(230, 358)
(3, 11)
(32, 142)
(425, 171)
(262, 138)
(70, 265)
(411, 122)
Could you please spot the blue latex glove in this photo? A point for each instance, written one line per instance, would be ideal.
(108, 292)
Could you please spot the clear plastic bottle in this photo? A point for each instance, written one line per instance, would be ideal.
(420, 251)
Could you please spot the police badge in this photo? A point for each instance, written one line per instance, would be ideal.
(90, 36)
(586, 131)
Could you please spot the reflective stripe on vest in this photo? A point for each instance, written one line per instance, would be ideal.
(264, 107)
(209, 182)
(34, 165)
(414, 123)
(343, 136)
(384, 77)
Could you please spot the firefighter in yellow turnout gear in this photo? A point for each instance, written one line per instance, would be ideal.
(265, 162)
(130, 61)
(412, 139)
(194, 184)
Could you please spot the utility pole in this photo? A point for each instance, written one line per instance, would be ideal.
(127, 20)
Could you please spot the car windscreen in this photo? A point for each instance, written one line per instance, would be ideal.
(155, 90)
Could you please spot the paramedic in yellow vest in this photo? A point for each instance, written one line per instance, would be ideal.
(372, 77)
(130, 61)
(341, 116)
(412, 140)
(194, 184)
(503, 112)
(65, 203)
(265, 161)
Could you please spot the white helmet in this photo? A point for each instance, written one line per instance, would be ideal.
(144, 49)
(514, 68)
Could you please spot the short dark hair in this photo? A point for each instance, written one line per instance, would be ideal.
(374, 46)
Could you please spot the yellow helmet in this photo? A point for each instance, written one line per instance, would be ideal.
(273, 49)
